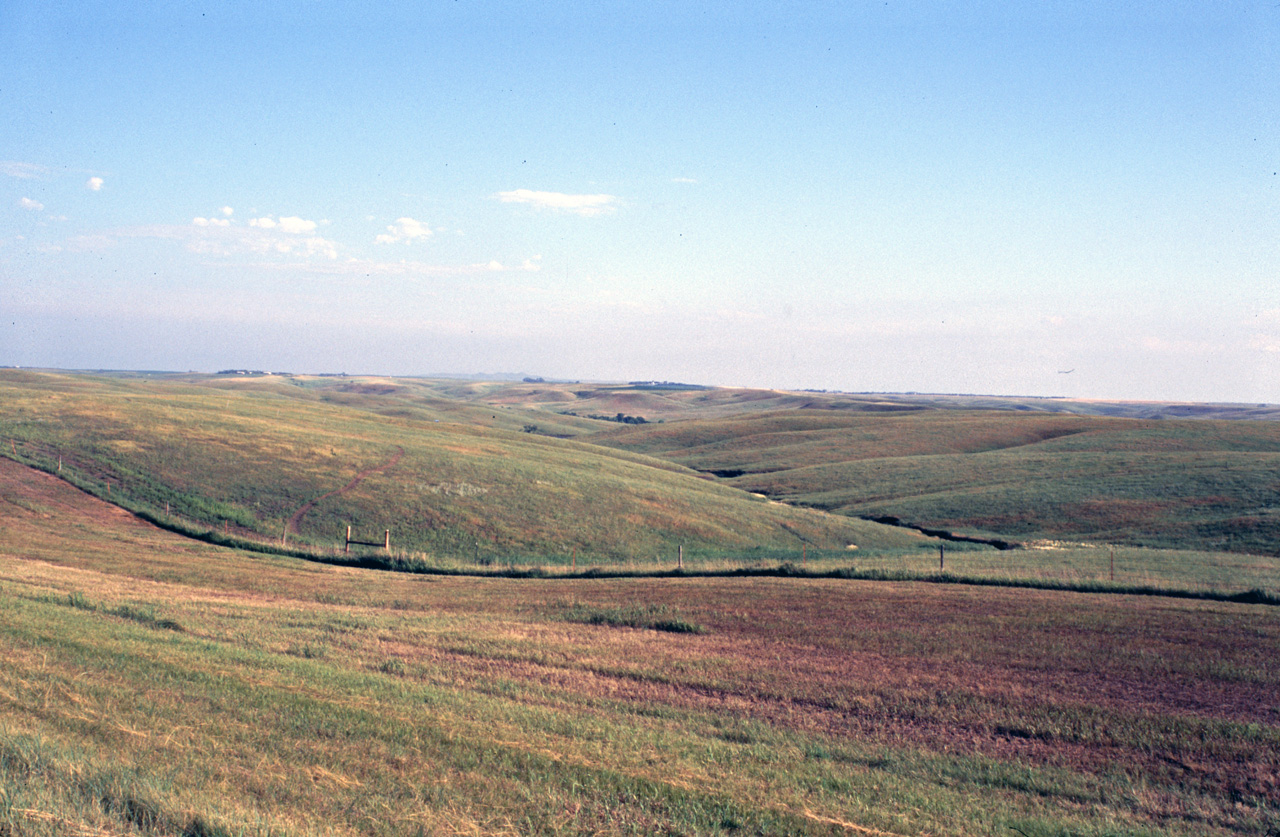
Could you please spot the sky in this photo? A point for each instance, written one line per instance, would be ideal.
(1061, 198)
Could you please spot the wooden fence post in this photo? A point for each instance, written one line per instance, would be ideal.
(680, 557)
(348, 539)
(386, 540)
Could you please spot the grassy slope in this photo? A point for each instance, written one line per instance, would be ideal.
(159, 686)
(447, 478)
(1193, 484)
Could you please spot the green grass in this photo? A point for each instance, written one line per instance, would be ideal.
(234, 460)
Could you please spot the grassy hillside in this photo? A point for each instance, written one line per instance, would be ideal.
(301, 459)
(155, 685)
(1207, 484)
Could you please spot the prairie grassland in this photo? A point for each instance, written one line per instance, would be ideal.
(1186, 484)
(155, 685)
(277, 459)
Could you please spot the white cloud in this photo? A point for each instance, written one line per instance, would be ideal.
(228, 211)
(226, 237)
(27, 203)
(683, 180)
(93, 184)
(317, 246)
(404, 229)
(577, 204)
(291, 224)
(297, 226)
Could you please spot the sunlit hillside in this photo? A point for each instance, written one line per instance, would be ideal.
(296, 461)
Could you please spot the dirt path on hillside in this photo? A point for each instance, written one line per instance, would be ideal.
(292, 526)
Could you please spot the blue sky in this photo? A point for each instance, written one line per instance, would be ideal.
(1058, 198)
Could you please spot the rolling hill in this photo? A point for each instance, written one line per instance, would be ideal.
(1208, 484)
(299, 459)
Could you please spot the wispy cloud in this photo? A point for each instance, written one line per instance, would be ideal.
(93, 184)
(24, 171)
(289, 235)
(404, 268)
(27, 203)
(290, 224)
(683, 180)
(1265, 343)
(577, 204)
(404, 229)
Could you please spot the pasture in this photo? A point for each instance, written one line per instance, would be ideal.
(158, 685)
(187, 649)
(293, 462)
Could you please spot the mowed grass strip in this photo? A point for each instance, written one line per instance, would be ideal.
(300, 698)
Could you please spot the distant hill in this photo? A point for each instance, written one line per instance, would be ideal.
(694, 401)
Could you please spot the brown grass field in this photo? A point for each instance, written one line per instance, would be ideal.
(155, 685)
